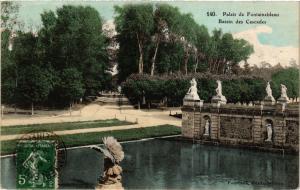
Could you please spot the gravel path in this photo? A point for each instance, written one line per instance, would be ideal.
(144, 118)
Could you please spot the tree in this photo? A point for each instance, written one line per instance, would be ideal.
(247, 68)
(33, 86)
(176, 28)
(165, 19)
(73, 38)
(9, 19)
(155, 42)
(71, 86)
(224, 52)
(8, 84)
(161, 33)
(8, 70)
(9, 14)
(25, 50)
(134, 23)
(201, 44)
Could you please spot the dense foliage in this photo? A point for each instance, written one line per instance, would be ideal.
(290, 78)
(61, 63)
(74, 39)
(161, 39)
(174, 87)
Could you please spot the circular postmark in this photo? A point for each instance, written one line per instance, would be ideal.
(59, 144)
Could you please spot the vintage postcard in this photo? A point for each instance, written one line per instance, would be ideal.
(149, 95)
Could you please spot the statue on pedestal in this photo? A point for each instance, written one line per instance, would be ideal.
(269, 90)
(192, 93)
(219, 96)
(113, 155)
(269, 132)
(283, 97)
(269, 99)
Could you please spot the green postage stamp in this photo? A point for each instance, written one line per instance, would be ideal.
(36, 163)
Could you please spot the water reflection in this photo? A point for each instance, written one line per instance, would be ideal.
(162, 164)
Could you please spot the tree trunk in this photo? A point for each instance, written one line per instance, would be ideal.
(154, 58)
(224, 66)
(32, 110)
(213, 66)
(141, 64)
(70, 109)
(186, 59)
(209, 64)
(218, 64)
(196, 65)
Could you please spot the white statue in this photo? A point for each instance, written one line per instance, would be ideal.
(219, 88)
(193, 91)
(269, 90)
(269, 132)
(206, 129)
(219, 98)
(283, 90)
(119, 89)
(269, 99)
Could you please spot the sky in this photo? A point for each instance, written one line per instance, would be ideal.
(278, 32)
(285, 27)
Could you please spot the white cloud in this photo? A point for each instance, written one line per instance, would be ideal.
(267, 53)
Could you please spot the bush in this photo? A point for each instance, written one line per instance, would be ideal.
(174, 87)
(288, 77)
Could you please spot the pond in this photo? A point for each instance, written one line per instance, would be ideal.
(168, 164)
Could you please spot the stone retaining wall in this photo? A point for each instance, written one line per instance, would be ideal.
(236, 126)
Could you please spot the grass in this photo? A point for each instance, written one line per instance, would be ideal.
(20, 129)
(8, 147)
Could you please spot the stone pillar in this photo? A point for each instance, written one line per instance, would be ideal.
(278, 131)
(197, 126)
(257, 130)
(187, 129)
(190, 113)
(215, 126)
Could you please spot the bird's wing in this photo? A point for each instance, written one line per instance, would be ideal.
(107, 154)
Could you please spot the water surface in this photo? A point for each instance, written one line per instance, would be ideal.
(165, 164)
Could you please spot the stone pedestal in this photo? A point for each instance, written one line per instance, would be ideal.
(192, 101)
(282, 103)
(218, 99)
(283, 100)
(115, 186)
(269, 100)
